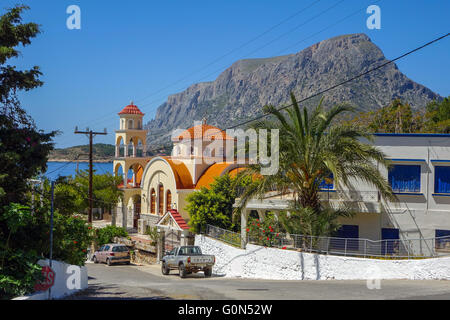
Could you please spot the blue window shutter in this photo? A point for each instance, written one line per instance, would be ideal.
(405, 178)
(442, 243)
(390, 245)
(346, 232)
(327, 186)
(442, 179)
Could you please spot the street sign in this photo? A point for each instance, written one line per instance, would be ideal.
(49, 279)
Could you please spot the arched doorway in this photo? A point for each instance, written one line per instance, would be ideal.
(168, 200)
(153, 201)
(161, 199)
(137, 210)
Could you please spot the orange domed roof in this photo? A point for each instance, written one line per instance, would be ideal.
(131, 109)
(204, 131)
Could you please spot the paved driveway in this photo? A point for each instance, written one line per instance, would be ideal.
(147, 282)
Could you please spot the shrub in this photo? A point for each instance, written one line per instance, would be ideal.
(265, 232)
(107, 234)
(153, 233)
(71, 238)
(19, 274)
(27, 239)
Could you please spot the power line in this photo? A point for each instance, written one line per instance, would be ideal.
(332, 87)
(226, 54)
(63, 166)
(237, 48)
(346, 81)
(252, 52)
(339, 84)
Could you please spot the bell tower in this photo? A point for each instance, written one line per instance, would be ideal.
(130, 157)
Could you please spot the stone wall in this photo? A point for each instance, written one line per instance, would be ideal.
(270, 263)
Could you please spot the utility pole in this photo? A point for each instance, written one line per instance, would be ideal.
(91, 135)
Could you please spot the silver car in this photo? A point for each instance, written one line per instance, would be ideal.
(112, 253)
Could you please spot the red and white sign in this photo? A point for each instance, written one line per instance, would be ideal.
(49, 279)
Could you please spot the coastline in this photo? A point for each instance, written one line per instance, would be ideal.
(95, 161)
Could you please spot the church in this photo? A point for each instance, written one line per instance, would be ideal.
(155, 188)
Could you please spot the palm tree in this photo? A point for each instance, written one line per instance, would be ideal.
(314, 149)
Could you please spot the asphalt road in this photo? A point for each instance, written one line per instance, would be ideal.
(147, 283)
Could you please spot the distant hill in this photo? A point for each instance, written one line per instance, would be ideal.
(100, 151)
(240, 92)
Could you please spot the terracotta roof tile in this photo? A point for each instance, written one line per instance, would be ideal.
(179, 219)
(215, 170)
(131, 109)
(204, 132)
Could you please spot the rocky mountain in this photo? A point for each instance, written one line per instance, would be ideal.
(240, 92)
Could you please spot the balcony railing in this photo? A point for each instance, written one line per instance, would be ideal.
(390, 248)
(350, 195)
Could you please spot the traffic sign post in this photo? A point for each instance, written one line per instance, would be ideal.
(49, 279)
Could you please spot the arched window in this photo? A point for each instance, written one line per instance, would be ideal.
(168, 200)
(152, 201)
(161, 199)
(192, 151)
(130, 124)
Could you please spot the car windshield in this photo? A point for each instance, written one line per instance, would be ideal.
(186, 251)
(120, 249)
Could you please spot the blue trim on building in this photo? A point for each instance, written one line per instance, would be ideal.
(327, 190)
(409, 193)
(440, 194)
(407, 160)
(412, 135)
(435, 160)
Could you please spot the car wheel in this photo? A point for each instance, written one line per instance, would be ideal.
(208, 272)
(127, 263)
(95, 259)
(164, 269)
(108, 262)
(182, 270)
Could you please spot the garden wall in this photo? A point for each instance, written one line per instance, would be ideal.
(64, 273)
(270, 263)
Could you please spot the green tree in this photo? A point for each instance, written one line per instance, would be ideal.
(397, 117)
(107, 234)
(438, 116)
(23, 148)
(105, 189)
(14, 33)
(313, 149)
(215, 205)
(27, 240)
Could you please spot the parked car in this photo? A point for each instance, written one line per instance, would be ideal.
(112, 253)
(187, 259)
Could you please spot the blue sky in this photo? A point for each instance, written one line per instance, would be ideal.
(145, 50)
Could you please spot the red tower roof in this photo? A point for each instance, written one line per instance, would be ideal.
(131, 109)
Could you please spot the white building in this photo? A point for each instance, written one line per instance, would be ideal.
(420, 178)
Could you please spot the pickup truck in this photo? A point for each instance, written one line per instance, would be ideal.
(187, 259)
